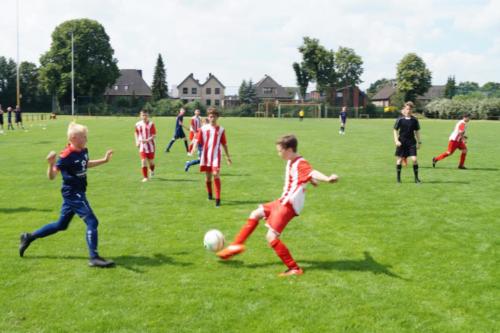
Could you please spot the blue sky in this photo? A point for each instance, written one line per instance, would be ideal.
(244, 39)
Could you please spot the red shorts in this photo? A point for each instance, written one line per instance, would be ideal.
(191, 136)
(277, 216)
(453, 145)
(213, 169)
(149, 156)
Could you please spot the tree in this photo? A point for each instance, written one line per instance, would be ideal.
(159, 87)
(302, 78)
(7, 82)
(413, 77)
(349, 67)
(491, 89)
(450, 89)
(247, 93)
(377, 85)
(467, 87)
(28, 77)
(242, 91)
(95, 67)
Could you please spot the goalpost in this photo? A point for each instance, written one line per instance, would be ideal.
(291, 109)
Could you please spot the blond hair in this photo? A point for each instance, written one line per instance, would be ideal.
(75, 128)
(410, 104)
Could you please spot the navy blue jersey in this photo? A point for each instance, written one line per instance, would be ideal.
(73, 167)
(178, 122)
(343, 116)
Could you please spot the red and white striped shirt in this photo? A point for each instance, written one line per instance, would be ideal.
(298, 174)
(456, 135)
(195, 124)
(211, 138)
(145, 131)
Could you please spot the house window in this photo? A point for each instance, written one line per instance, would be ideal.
(208, 102)
(125, 87)
(217, 102)
(208, 91)
(217, 91)
(115, 87)
(184, 90)
(269, 90)
(340, 94)
(194, 91)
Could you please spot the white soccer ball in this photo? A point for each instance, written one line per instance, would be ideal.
(213, 240)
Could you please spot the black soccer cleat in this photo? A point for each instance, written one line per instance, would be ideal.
(434, 162)
(417, 181)
(210, 196)
(462, 167)
(217, 202)
(25, 242)
(101, 262)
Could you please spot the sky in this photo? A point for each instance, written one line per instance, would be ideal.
(246, 39)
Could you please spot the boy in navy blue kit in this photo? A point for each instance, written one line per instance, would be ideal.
(343, 119)
(73, 163)
(179, 132)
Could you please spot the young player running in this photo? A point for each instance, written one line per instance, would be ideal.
(343, 120)
(278, 213)
(145, 132)
(407, 139)
(458, 139)
(193, 128)
(211, 137)
(73, 163)
(179, 131)
(200, 149)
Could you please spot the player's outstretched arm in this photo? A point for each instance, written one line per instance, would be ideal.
(105, 159)
(318, 176)
(52, 170)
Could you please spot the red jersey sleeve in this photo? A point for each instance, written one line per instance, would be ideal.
(305, 169)
(223, 138)
(153, 129)
(461, 127)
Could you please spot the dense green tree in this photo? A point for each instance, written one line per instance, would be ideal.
(302, 77)
(467, 87)
(491, 89)
(450, 89)
(247, 93)
(159, 87)
(28, 81)
(349, 67)
(413, 77)
(7, 82)
(95, 67)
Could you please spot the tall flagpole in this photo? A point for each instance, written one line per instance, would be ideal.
(18, 88)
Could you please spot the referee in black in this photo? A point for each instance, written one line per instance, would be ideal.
(407, 139)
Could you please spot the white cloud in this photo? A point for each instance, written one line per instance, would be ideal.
(244, 39)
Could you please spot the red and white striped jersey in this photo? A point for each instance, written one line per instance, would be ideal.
(211, 138)
(145, 131)
(298, 174)
(195, 124)
(459, 131)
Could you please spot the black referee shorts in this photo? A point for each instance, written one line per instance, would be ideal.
(406, 150)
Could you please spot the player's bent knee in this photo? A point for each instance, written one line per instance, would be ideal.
(91, 221)
(271, 236)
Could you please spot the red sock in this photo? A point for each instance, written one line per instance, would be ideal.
(145, 172)
(462, 159)
(442, 156)
(282, 252)
(246, 231)
(217, 188)
(190, 147)
(209, 187)
(152, 167)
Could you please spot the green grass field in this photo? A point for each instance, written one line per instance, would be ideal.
(378, 257)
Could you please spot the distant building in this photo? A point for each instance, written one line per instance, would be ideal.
(129, 84)
(210, 93)
(342, 97)
(384, 95)
(267, 89)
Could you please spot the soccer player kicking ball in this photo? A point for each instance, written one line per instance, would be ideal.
(278, 213)
(457, 140)
(407, 139)
(211, 137)
(179, 132)
(145, 132)
(73, 163)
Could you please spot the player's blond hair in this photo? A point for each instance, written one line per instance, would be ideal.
(75, 128)
(410, 105)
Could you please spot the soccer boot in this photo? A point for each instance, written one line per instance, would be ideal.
(186, 166)
(210, 197)
(434, 162)
(231, 251)
(418, 181)
(101, 262)
(25, 242)
(462, 167)
(292, 271)
(217, 203)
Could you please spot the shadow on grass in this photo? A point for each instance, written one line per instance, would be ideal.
(13, 210)
(456, 168)
(234, 175)
(172, 180)
(242, 202)
(445, 182)
(132, 263)
(44, 142)
(368, 264)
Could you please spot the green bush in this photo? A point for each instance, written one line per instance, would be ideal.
(483, 108)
